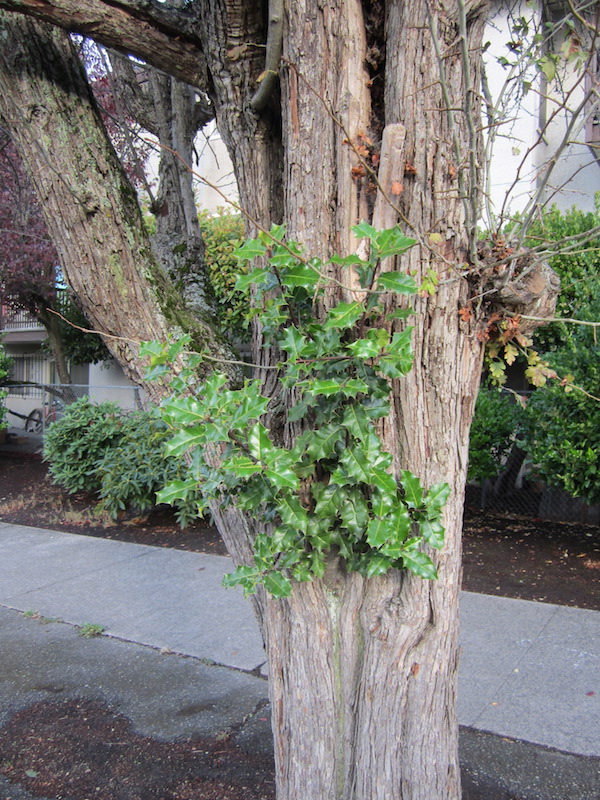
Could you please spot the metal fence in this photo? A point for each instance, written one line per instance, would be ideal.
(32, 407)
(517, 490)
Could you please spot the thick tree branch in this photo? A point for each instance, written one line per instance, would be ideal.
(160, 35)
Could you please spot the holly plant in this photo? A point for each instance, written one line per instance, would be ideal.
(331, 489)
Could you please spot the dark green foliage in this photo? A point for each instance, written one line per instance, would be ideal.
(495, 424)
(74, 444)
(563, 427)
(330, 490)
(579, 270)
(137, 467)
(222, 233)
(118, 455)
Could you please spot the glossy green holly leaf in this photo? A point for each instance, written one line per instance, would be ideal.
(300, 275)
(413, 490)
(364, 231)
(391, 242)
(281, 476)
(176, 490)
(292, 341)
(355, 513)
(378, 565)
(433, 532)
(245, 575)
(185, 439)
(364, 348)
(329, 499)
(357, 422)
(185, 410)
(398, 282)
(302, 572)
(419, 563)
(258, 276)
(383, 501)
(384, 481)
(252, 248)
(292, 513)
(435, 499)
(259, 444)
(243, 467)
(344, 315)
(347, 261)
(324, 441)
(379, 531)
(357, 464)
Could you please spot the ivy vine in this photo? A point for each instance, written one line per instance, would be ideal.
(332, 489)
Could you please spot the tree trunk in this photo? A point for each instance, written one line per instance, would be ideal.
(90, 208)
(363, 672)
(51, 324)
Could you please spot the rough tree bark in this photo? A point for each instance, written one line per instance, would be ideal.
(362, 672)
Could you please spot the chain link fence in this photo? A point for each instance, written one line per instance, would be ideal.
(517, 491)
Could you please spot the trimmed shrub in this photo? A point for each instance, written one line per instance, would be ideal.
(75, 443)
(137, 467)
(222, 233)
(563, 428)
(118, 455)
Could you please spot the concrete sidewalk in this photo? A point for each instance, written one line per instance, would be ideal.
(529, 671)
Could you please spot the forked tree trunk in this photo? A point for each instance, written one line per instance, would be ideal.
(363, 672)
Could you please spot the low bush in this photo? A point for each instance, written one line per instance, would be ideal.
(137, 467)
(493, 432)
(74, 444)
(118, 455)
(563, 427)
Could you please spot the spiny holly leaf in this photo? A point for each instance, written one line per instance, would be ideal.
(251, 248)
(185, 410)
(344, 315)
(281, 476)
(378, 565)
(364, 231)
(419, 563)
(365, 348)
(293, 513)
(355, 514)
(259, 444)
(433, 532)
(379, 531)
(183, 440)
(243, 467)
(391, 242)
(176, 490)
(324, 441)
(397, 282)
(243, 282)
(412, 488)
(348, 261)
(300, 275)
(436, 498)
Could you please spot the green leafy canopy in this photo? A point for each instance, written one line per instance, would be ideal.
(331, 490)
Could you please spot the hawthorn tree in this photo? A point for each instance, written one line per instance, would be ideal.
(333, 113)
